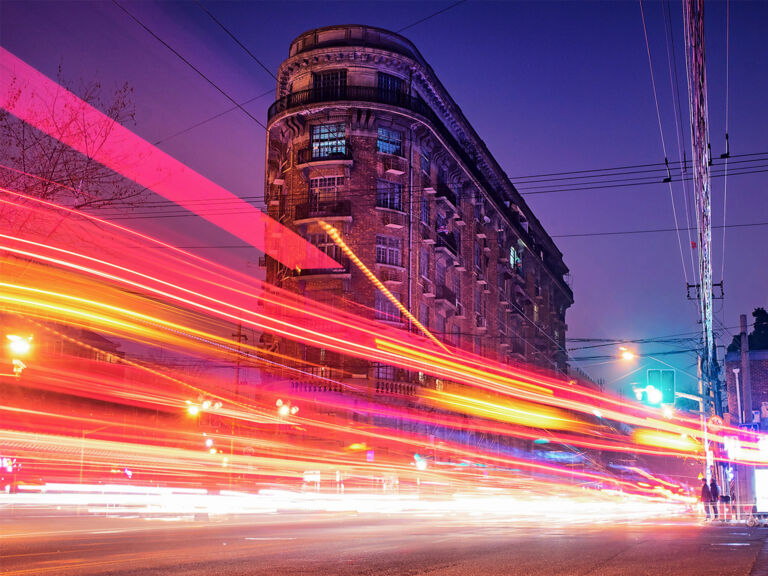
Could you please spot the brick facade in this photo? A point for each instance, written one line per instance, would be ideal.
(363, 136)
(758, 365)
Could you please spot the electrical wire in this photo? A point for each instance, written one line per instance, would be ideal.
(727, 143)
(231, 35)
(188, 63)
(673, 82)
(400, 30)
(663, 144)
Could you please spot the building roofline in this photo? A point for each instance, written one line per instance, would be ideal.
(401, 45)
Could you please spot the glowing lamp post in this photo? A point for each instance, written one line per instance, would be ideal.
(19, 347)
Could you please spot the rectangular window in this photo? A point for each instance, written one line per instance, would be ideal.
(330, 82)
(425, 210)
(389, 142)
(323, 191)
(326, 244)
(425, 161)
(456, 336)
(424, 263)
(385, 309)
(328, 140)
(440, 272)
(440, 326)
(457, 285)
(389, 84)
(383, 371)
(424, 315)
(389, 250)
(441, 223)
(514, 258)
(536, 313)
(478, 256)
(389, 195)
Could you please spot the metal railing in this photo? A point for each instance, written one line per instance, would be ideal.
(307, 155)
(322, 209)
(447, 241)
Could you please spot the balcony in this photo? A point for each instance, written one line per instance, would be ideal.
(446, 195)
(445, 296)
(343, 272)
(332, 210)
(427, 235)
(447, 242)
(393, 220)
(312, 155)
(415, 104)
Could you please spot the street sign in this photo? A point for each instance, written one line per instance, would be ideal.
(715, 424)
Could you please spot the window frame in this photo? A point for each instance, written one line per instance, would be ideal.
(389, 195)
(389, 141)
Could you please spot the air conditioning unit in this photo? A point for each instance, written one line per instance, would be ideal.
(393, 220)
(393, 167)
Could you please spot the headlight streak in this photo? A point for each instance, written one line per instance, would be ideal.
(86, 272)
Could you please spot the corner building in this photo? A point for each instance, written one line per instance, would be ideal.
(364, 136)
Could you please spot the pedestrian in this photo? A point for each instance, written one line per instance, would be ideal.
(706, 496)
(714, 490)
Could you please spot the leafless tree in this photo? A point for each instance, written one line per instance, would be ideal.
(39, 165)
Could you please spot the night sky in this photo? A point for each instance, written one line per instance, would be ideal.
(549, 86)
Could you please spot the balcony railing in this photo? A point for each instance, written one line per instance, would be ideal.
(447, 241)
(446, 294)
(307, 155)
(350, 93)
(337, 208)
(344, 269)
(445, 193)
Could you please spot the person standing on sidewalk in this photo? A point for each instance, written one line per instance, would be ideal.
(706, 496)
(714, 490)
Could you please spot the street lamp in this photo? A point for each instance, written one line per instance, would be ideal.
(19, 346)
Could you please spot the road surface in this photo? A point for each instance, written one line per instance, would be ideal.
(51, 544)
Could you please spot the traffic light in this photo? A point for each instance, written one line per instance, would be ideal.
(664, 381)
(668, 386)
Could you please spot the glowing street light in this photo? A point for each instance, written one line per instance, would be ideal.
(627, 354)
(19, 345)
(285, 408)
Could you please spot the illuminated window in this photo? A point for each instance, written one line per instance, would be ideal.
(535, 312)
(389, 195)
(389, 142)
(389, 250)
(328, 140)
(385, 309)
(514, 258)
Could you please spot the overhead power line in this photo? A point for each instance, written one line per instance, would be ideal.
(400, 30)
(231, 35)
(188, 63)
(668, 179)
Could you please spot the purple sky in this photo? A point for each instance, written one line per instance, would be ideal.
(549, 86)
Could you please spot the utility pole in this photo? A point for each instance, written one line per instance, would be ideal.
(697, 100)
(239, 337)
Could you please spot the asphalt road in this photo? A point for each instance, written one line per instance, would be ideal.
(349, 544)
